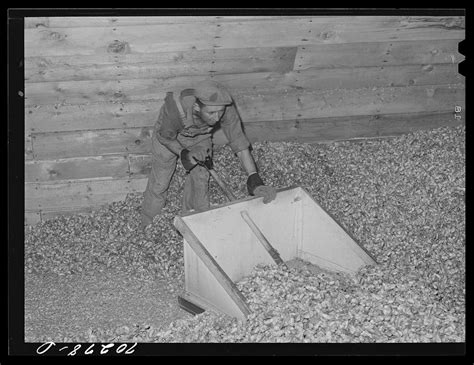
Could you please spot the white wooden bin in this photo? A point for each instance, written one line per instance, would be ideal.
(220, 248)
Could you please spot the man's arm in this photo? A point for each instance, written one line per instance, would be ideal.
(255, 184)
(232, 127)
(247, 161)
(239, 143)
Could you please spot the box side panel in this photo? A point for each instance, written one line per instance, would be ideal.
(203, 288)
(325, 242)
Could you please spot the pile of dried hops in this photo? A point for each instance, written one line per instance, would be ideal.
(402, 198)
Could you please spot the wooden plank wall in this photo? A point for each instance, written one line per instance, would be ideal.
(94, 85)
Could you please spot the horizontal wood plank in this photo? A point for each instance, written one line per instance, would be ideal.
(59, 118)
(362, 126)
(91, 143)
(349, 29)
(314, 79)
(269, 107)
(76, 168)
(344, 102)
(133, 90)
(76, 194)
(377, 54)
(121, 21)
(129, 90)
(159, 65)
(86, 92)
(118, 40)
(210, 35)
(116, 91)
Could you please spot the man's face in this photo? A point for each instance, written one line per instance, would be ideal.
(211, 114)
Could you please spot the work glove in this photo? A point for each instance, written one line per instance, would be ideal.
(189, 158)
(207, 163)
(256, 187)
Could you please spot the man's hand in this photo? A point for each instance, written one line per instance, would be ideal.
(190, 158)
(198, 153)
(267, 192)
(255, 186)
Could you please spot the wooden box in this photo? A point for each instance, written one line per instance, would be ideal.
(220, 248)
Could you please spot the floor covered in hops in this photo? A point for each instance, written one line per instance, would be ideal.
(97, 305)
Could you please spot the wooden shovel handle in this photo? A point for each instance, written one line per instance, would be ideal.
(222, 185)
(273, 253)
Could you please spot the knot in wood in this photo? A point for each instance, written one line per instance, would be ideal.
(53, 173)
(145, 133)
(117, 46)
(326, 35)
(428, 68)
(456, 23)
(43, 63)
(42, 23)
(430, 92)
(47, 34)
(178, 57)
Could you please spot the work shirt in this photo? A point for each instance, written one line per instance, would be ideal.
(177, 121)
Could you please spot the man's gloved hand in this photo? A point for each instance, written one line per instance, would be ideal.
(189, 158)
(267, 192)
(256, 187)
(207, 163)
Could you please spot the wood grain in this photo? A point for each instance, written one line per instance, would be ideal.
(154, 89)
(121, 21)
(151, 38)
(315, 79)
(296, 104)
(159, 65)
(76, 194)
(366, 54)
(114, 166)
(59, 118)
(130, 90)
(58, 145)
(344, 128)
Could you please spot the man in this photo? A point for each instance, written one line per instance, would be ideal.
(187, 127)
